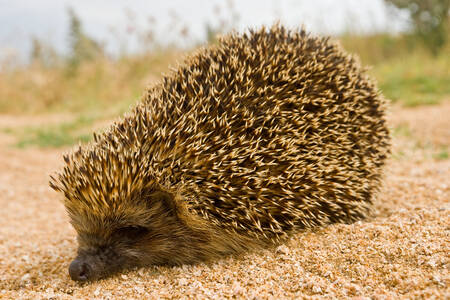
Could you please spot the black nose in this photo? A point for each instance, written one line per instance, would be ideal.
(80, 270)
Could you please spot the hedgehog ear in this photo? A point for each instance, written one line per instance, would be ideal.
(166, 199)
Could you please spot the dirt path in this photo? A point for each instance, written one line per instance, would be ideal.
(402, 251)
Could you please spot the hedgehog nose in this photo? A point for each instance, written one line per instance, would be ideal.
(80, 270)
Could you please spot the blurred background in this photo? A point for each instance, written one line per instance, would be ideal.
(86, 62)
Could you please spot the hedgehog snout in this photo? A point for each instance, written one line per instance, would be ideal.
(80, 270)
(86, 267)
(94, 265)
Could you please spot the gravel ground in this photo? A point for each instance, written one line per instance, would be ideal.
(402, 251)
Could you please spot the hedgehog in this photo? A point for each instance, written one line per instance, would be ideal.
(265, 133)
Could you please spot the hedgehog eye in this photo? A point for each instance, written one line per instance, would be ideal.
(132, 232)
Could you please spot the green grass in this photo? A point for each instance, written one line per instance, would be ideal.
(415, 79)
(441, 154)
(406, 72)
(59, 135)
(67, 133)
(51, 138)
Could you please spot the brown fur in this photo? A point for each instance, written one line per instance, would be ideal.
(250, 140)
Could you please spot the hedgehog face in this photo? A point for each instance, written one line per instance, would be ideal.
(101, 256)
(143, 235)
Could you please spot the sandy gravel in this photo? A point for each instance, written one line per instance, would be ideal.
(400, 252)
